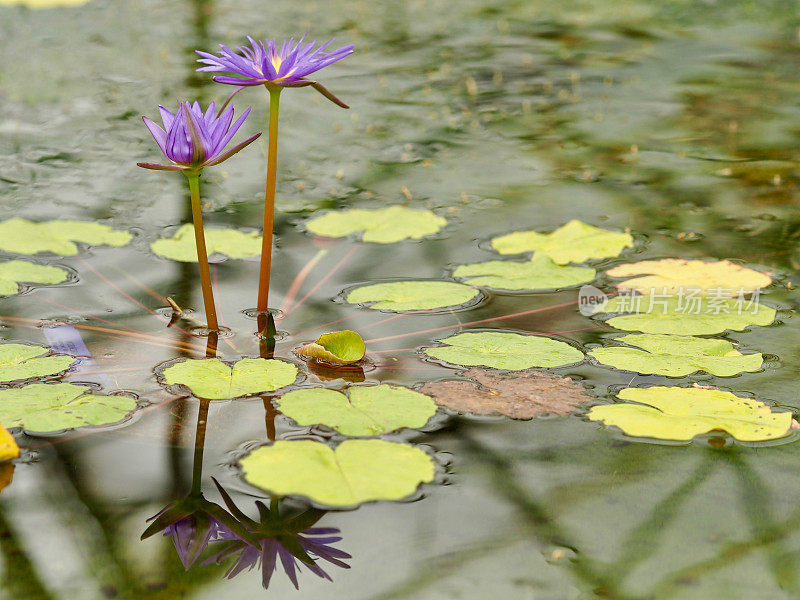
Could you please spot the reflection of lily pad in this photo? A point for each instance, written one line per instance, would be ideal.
(677, 356)
(338, 348)
(21, 236)
(509, 351)
(213, 379)
(42, 407)
(8, 447)
(539, 273)
(672, 275)
(519, 395)
(21, 361)
(15, 272)
(413, 295)
(675, 413)
(574, 242)
(381, 225)
(356, 471)
(700, 316)
(364, 411)
(229, 242)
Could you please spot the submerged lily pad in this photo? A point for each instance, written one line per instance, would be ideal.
(46, 408)
(16, 272)
(574, 242)
(673, 275)
(677, 356)
(8, 447)
(229, 242)
(412, 295)
(539, 273)
(509, 351)
(212, 379)
(356, 471)
(519, 395)
(338, 348)
(380, 225)
(21, 361)
(676, 413)
(361, 410)
(22, 236)
(673, 315)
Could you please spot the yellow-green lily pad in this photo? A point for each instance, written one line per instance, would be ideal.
(22, 236)
(213, 379)
(412, 295)
(539, 273)
(674, 315)
(14, 273)
(676, 413)
(356, 471)
(575, 242)
(379, 225)
(47, 408)
(677, 356)
(228, 242)
(359, 411)
(22, 361)
(338, 348)
(508, 351)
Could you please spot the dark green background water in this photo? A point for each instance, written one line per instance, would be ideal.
(670, 118)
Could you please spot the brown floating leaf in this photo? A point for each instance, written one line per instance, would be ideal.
(522, 395)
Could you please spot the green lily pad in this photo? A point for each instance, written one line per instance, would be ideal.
(16, 272)
(413, 295)
(676, 413)
(46, 408)
(356, 471)
(508, 351)
(677, 356)
(539, 273)
(379, 225)
(574, 242)
(21, 236)
(229, 242)
(676, 316)
(213, 379)
(338, 348)
(361, 411)
(21, 361)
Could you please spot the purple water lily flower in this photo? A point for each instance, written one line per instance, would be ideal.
(263, 63)
(192, 139)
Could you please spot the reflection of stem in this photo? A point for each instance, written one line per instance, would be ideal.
(266, 327)
(270, 413)
(269, 200)
(202, 256)
(199, 441)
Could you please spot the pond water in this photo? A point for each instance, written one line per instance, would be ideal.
(677, 120)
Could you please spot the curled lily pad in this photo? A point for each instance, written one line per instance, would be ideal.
(380, 225)
(673, 275)
(228, 242)
(23, 361)
(539, 273)
(359, 410)
(676, 356)
(356, 471)
(22, 236)
(213, 379)
(13, 273)
(676, 413)
(508, 351)
(519, 395)
(8, 447)
(680, 316)
(575, 242)
(412, 295)
(46, 408)
(338, 348)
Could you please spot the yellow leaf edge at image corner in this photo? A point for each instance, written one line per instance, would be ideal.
(8, 446)
(43, 3)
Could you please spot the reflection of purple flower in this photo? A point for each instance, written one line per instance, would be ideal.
(191, 535)
(192, 139)
(264, 62)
